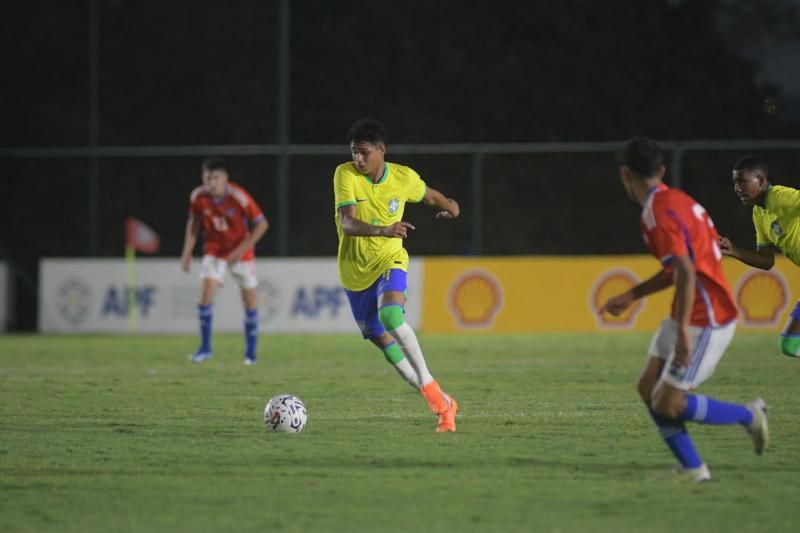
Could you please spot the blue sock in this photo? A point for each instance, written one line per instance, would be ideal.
(205, 313)
(707, 410)
(251, 332)
(677, 438)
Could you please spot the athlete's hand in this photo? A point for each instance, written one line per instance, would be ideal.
(618, 304)
(683, 349)
(235, 256)
(398, 229)
(186, 262)
(453, 212)
(726, 246)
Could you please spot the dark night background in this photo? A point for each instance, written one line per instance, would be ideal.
(204, 73)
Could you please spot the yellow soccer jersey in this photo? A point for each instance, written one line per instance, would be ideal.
(363, 259)
(778, 221)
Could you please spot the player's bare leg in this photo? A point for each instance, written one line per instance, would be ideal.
(250, 302)
(390, 312)
(649, 379)
(205, 311)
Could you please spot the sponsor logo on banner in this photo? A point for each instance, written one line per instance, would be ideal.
(611, 283)
(74, 301)
(762, 295)
(317, 300)
(475, 299)
(270, 300)
(116, 300)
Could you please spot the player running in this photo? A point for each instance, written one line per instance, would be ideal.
(370, 197)
(687, 346)
(233, 223)
(776, 217)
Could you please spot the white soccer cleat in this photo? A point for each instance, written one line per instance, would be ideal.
(250, 361)
(199, 357)
(696, 475)
(758, 429)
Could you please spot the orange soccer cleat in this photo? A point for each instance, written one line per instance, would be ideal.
(447, 418)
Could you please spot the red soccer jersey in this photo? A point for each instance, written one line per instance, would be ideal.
(227, 220)
(673, 225)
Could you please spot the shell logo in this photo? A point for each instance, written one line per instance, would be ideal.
(610, 284)
(762, 295)
(475, 299)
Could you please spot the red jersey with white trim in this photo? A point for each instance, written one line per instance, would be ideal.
(226, 220)
(674, 225)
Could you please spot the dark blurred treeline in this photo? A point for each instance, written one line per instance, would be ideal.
(177, 73)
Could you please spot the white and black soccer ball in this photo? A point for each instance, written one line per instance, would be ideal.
(285, 414)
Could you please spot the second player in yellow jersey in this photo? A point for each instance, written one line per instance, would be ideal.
(370, 198)
(776, 217)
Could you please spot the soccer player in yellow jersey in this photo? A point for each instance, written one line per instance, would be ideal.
(776, 217)
(370, 197)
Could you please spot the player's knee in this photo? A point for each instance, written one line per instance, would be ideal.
(645, 391)
(391, 316)
(789, 345)
(667, 406)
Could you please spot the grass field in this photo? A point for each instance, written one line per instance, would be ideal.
(122, 433)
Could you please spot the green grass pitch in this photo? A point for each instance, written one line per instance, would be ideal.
(106, 433)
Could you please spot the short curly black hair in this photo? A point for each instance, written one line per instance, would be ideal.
(367, 130)
(214, 163)
(642, 155)
(752, 162)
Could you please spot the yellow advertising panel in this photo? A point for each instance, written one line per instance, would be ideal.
(563, 293)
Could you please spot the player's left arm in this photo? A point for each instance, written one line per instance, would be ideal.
(618, 304)
(256, 232)
(684, 276)
(448, 208)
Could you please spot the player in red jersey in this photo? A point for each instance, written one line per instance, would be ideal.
(232, 223)
(688, 345)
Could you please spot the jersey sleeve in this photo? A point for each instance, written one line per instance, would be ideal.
(253, 210)
(668, 237)
(195, 209)
(416, 188)
(762, 238)
(344, 190)
(783, 201)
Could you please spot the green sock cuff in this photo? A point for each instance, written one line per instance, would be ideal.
(789, 345)
(391, 316)
(393, 353)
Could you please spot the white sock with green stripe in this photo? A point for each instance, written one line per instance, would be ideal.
(394, 355)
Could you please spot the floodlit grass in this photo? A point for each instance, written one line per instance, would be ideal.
(104, 433)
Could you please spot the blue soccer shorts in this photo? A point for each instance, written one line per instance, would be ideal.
(364, 304)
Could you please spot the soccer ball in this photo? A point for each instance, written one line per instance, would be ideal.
(286, 414)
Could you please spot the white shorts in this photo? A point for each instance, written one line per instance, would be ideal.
(244, 272)
(708, 345)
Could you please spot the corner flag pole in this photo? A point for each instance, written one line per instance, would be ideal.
(130, 263)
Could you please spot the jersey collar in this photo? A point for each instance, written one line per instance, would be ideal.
(383, 178)
(766, 194)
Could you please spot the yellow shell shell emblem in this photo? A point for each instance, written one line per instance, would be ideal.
(476, 298)
(761, 296)
(612, 283)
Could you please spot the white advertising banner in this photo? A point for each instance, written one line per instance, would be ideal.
(5, 296)
(295, 295)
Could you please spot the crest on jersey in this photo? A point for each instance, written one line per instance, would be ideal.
(777, 228)
(394, 205)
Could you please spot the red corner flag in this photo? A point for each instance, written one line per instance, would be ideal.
(140, 236)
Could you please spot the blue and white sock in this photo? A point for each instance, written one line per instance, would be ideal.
(705, 410)
(678, 440)
(205, 315)
(251, 332)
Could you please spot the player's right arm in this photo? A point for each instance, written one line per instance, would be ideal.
(353, 227)
(190, 239)
(762, 257)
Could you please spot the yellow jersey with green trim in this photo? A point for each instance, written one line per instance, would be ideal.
(363, 259)
(777, 223)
